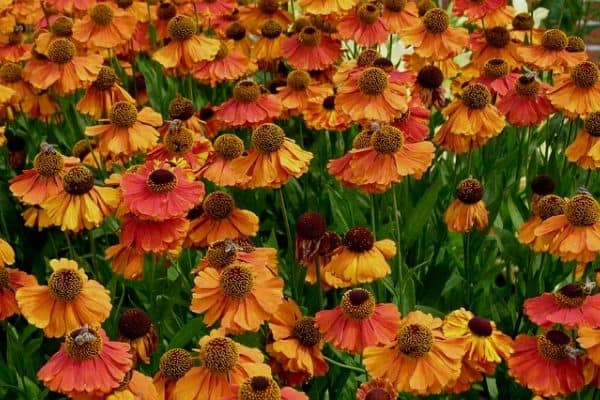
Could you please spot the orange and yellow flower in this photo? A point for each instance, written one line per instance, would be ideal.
(229, 64)
(260, 386)
(311, 49)
(547, 206)
(102, 94)
(11, 280)
(550, 53)
(104, 26)
(300, 90)
(585, 149)
(325, 115)
(467, 210)
(579, 91)
(365, 25)
(172, 366)
(248, 106)
(217, 167)
(136, 329)
(526, 104)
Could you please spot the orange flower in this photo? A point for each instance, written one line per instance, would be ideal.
(12, 46)
(589, 339)
(104, 26)
(248, 106)
(359, 259)
(186, 48)
(273, 159)
(548, 206)
(376, 388)
(428, 86)
(545, 365)
(160, 191)
(68, 6)
(496, 75)
(228, 64)
(468, 210)
(551, 52)
(11, 280)
(493, 43)
(126, 261)
(69, 301)
(235, 32)
(213, 9)
(155, 236)
(433, 38)
(268, 47)
(24, 96)
(364, 25)
(526, 104)
(340, 167)
(261, 386)
(472, 121)
(128, 132)
(579, 91)
(585, 149)
(137, 330)
(240, 296)
(476, 9)
(325, 115)
(326, 7)
(414, 123)
(103, 93)
(310, 49)
(87, 363)
(400, 14)
(226, 252)
(36, 217)
(252, 16)
(173, 365)
(61, 27)
(297, 342)
(421, 360)
(220, 220)
(224, 362)
(359, 322)
(577, 232)
(135, 385)
(63, 70)
(217, 167)
(300, 90)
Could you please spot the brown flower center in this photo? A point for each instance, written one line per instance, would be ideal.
(359, 239)
(363, 139)
(497, 37)
(592, 124)
(585, 74)
(387, 140)
(106, 78)
(415, 340)
(554, 40)
(384, 63)
(10, 72)
(469, 191)
(102, 14)
(134, 323)
(236, 281)
(83, 344)
(48, 163)
(549, 206)
(259, 388)
(430, 77)
(175, 363)
(372, 81)
(219, 355)
(65, 284)
(166, 11)
(394, 5)
(480, 326)
(306, 331)
(309, 36)
(271, 29)
(218, 205)
(161, 181)
(366, 58)
(522, 22)
(78, 180)
(62, 26)
(246, 91)
(575, 44)
(181, 108)
(235, 31)
(81, 148)
(221, 254)
(436, 20)
(123, 114)
(268, 7)
(570, 296)
(179, 140)
(329, 103)
(368, 13)
(495, 68)
(298, 80)
(425, 5)
(476, 96)
(311, 226)
(543, 185)
(229, 146)
(358, 304)
(582, 210)
(551, 345)
(4, 279)
(527, 86)
(268, 138)
(61, 51)
(379, 394)
(181, 28)
(124, 3)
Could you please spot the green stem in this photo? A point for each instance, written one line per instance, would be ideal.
(562, 13)
(373, 217)
(396, 212)
(467, 261)
(290, 243)
(588, 178)
(318, 273)
(70, 246)
(342, 365)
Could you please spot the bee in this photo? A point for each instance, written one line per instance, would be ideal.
(588, 286)
(48, 148)
(231, 246)
(83, 336)
(175, 125)
(583, 190)
(572, 352)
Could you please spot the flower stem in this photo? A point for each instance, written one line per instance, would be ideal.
(372, 209)
(70, 246)
(399, 247)
(288, 234)
(342, 365)
(319, 288)
(467, 261)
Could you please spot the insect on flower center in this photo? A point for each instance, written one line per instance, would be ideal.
(309, 36)
(592, 124)
(268, 7)
(582, 210)
(358, 304)
(166, 11)
(387, 140)
(298, 80)
(307, 332)
(78, 180)
(476, 96)
(522, 22)
(366, 58)
(229, 146)
(236, 281)
(480, 326)
(575, 44)
(362, 140)
(415, 340)
(368, 13)
(271, 29)
(436, 20)
(106, 78)
(235, 31)
(495, 68)
(219, 355)
(48, 163)
(329, 103)
(102, 14)
(134, 323)
(268, 138)
(65, 284)
(394, 5)
(4, 279)
(179, 141)
(175, 363)
(311, 226)
(259, 388)
(497, 37)
(221, 254)
(585, 74)
(123, 114)
(469, 191)
(246, 91)
(359, 239)
(554, 40)
(181, 28)
(181, 108)
(161, 181)
(83, 344)
(549, 206)
(372, 81)
(527, 86)
(571, 296)
(552, 344)
(10, 72)
(61, 51)
(430, 77)
(218, 205)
